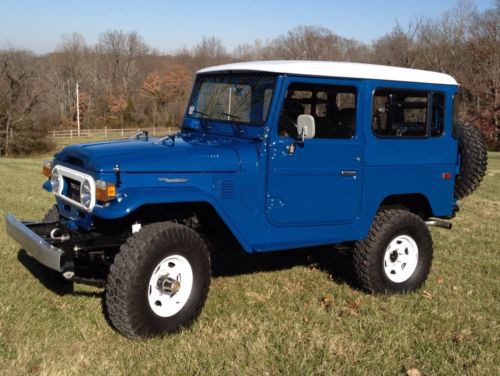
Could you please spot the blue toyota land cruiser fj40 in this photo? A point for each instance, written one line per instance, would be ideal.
(283, 155)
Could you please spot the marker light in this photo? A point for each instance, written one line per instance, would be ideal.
(47, 168)
(104, 190)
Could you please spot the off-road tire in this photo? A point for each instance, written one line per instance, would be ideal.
(126, 295)
(52, 215)
(369, 253)
(473, 159)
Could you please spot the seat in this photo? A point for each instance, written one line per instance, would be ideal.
(325, 126)
(292, 108)
(347, 122)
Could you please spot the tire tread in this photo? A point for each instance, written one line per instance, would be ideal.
(474, 159)
(124, 275)
(364, 256)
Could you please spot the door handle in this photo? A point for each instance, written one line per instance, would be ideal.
(348, 173)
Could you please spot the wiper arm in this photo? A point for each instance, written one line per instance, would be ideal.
(200, 112)
(231, 115)
(240, 130)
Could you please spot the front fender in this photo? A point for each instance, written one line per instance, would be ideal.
(132, 199)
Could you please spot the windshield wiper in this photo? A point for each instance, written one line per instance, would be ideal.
(231, 115)
(238, 126)
(200, 112)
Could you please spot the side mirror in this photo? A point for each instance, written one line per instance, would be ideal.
(306, 127)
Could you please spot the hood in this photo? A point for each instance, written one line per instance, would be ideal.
(177, 154)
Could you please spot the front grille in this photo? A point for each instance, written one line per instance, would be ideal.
(72, 189)
(70, 182)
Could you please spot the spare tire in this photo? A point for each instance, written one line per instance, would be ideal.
(473, 159)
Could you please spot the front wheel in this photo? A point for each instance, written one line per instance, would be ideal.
(159, 281)
(396, 256)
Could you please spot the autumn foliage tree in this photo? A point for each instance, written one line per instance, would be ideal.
(125, 82)
(151, 89)
(167, 93)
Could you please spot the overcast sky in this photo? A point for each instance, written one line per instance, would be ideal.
(170, 25)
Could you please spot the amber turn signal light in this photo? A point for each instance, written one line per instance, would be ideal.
(104, 191)
(47, 168)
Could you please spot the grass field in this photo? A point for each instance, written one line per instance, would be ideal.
(286, 313)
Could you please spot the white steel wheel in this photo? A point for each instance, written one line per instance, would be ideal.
(396, 255)
(170, 285)
(401, 258)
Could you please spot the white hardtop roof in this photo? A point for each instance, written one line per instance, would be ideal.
(337, 69)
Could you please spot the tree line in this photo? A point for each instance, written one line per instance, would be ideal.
(124, 82)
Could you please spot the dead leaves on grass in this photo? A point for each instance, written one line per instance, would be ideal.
(413, 372)
(462, 336)
(327, 302)
(255, 296)
(352, 307)
(426, 295)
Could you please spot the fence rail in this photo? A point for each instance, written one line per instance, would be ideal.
(107, 133)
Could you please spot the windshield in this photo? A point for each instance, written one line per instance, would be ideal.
(237, 98)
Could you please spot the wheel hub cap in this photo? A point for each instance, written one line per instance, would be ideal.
(170, 285)
(401, 258)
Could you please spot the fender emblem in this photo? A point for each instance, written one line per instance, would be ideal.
(173, 180)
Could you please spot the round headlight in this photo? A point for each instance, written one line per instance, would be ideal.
(85, 194)
(55, 181)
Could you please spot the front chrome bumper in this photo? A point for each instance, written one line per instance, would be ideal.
(34, 244)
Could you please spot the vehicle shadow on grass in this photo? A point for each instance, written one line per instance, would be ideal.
(228, 259)
(231, 260)
(51, 279)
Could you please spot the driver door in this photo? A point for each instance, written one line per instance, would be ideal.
(318, 181)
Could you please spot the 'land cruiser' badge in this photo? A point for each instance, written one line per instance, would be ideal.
(173, 180)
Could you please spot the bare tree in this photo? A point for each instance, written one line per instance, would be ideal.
(122, 54)
(123, 80)
(65, 69)
(210, 51)
(257, 50)
(19, 96)
(313, 43)
(399, 47)
(484, 83)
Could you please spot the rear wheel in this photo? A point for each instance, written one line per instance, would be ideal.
(159, 281)
(396, 256)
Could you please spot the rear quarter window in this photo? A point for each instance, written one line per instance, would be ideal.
(400, 113)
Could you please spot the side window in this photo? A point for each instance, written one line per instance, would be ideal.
(437, 115)
(333, 109)
(399, 113)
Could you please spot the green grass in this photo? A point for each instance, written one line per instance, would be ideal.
(278, 314)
